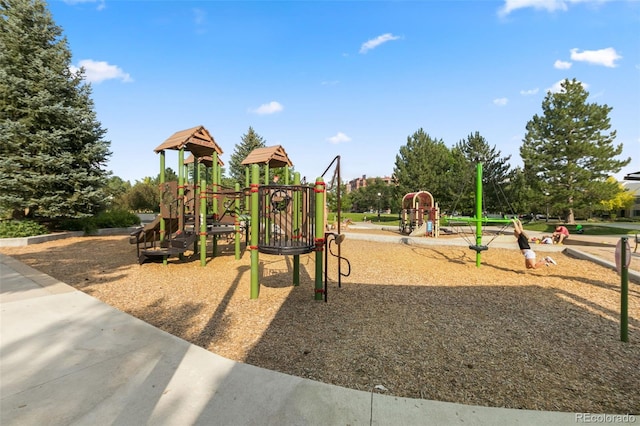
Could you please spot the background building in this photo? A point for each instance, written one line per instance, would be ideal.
(631, 182)
(361, 182)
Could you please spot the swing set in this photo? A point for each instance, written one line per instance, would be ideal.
(478, 220)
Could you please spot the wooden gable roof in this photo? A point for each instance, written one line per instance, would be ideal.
(274, 156)
(207, 160)
(196, 140)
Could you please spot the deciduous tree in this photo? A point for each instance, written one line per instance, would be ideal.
(623, 199)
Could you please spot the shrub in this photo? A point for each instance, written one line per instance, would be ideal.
(117, 218)
(21, 228)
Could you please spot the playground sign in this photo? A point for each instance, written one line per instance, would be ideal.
(627, 251)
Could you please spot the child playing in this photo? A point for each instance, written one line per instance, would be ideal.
(525, 248)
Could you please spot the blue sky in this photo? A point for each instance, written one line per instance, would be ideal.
(355, 79)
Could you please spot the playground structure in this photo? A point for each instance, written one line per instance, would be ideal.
(191, 212)
(420, 215)
(278, 218)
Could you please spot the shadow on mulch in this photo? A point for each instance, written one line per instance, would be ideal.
(518, 347)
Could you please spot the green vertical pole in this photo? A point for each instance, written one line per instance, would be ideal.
(218, 170)
(255, 178)
(286, 175)
(319, 227)
(478, 211)
(295, 220)
(162, 180)
(163, 226)
(236, 222)
(215, 172)
(267, 222)
(247, 181)
(181, 189)
(203, 222)
(216, 182)
(181, 193)
(197, 190)
(624, 291)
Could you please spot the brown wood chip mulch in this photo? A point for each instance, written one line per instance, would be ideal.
(422, 321)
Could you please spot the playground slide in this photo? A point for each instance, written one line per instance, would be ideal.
(151, 230)
(420, 231)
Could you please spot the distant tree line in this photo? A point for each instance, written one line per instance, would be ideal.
(568, 156)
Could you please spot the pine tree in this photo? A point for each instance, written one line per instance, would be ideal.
(250, 141)
(424, 164)
(496, 172)
(52, 154)
(568, 151)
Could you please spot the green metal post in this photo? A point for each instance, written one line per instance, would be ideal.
(216, 182)
(255, 178)
(286, 175)
(267, 201)
(319, 226)
(624, 291)
(181, 189)
(478, 211)
(218, 170)
(163, 229)
(295, 220)
(197, 190)
(181, 193)
(203, 223)
(214, 208)
(247, 181)
(236, 222)
(162, 180)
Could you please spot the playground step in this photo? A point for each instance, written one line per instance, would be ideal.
(156, 253)
(168, 251)
(183, 241)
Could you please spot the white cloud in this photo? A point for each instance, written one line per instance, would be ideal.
(375, 42)
(606, 57)
(339, 138)
(548, 5)
(270, 108)
(500, 101)
(99, 71)
(529, 92)
(557, 88)
(330, 83)
(562, 65)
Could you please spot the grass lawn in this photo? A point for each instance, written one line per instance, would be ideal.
(588, 228)
(540, 226)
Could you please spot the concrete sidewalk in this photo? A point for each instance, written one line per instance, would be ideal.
(68, 359)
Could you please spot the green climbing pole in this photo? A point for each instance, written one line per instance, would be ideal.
(478, 211)
(255, 284)
(319, 210)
